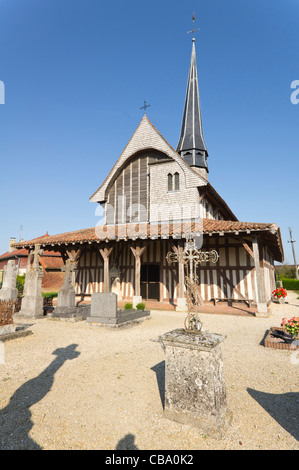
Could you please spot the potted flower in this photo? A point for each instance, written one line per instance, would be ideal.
(279, 294)
(291, 326)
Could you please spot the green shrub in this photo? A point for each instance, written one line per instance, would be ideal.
(290, 284)
(140, 306)
(128, 306)
(20, 283)
(47, 295)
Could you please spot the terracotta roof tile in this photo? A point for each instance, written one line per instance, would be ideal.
(145, 230)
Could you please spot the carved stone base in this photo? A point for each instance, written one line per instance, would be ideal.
(195, 390)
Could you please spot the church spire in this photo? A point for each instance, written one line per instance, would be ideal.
(191, 145)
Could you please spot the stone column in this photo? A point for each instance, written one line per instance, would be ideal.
(137, 252)
(195, 391)
(32, 302)
(262, 309)
(9, 290)
(106, 252)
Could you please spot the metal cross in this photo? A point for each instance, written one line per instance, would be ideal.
(193, 30)
(192, 257)
(144, 107)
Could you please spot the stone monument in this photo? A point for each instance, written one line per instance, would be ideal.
(66, 301)
(9, 290)
(104, 311)
(195, 391)
(32, 302)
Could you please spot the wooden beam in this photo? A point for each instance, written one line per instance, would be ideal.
(222, 273)
(181, 267)
(259, 272)
(137, 252)
(246, 246)
(105, 252)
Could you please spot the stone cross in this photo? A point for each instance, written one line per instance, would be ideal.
(68, 268)
(33, 261)
(192, 257)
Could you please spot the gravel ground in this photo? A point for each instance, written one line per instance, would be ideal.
(79, 386)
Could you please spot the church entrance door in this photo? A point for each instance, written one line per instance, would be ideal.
(150, 281)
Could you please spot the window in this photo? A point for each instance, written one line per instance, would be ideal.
(173, 182)
(170, 184)
(176, 182)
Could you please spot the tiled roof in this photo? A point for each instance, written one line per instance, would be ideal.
(142, 230)
(23, 252)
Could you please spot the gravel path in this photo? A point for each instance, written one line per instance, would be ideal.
(80, 386)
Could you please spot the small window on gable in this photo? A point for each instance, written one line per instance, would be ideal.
(176, 182)
(170, 184)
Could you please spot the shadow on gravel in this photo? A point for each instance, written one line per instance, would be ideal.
(283, 408)
(127, 443)
(15, 418)
(159, 370)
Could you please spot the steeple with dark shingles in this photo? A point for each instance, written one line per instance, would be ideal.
(192, 146)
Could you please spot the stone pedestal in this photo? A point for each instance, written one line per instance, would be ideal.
(66, 301)
(32, 302)
(9, 290)
(195, 390)
(6, 329)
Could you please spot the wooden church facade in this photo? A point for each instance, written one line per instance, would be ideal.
(233, 276)
(153, 199)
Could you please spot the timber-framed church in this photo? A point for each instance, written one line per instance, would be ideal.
(153, 198)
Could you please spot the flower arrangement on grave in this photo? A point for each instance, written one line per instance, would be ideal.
(291, 326)
(280, 292)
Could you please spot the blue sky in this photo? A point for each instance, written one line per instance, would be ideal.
(76, 73)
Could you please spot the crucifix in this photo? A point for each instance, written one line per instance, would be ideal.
(192, 257)
(144, 107)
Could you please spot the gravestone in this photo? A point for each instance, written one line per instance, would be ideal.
(104, 311)
(9, 290)
(32, 301)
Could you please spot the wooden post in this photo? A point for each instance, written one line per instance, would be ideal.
(137, 252)
(105, 252)
(181, 265)
(260, 284)
(74, 256)
(181, 301)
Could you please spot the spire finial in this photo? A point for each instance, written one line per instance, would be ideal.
(193, 30)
